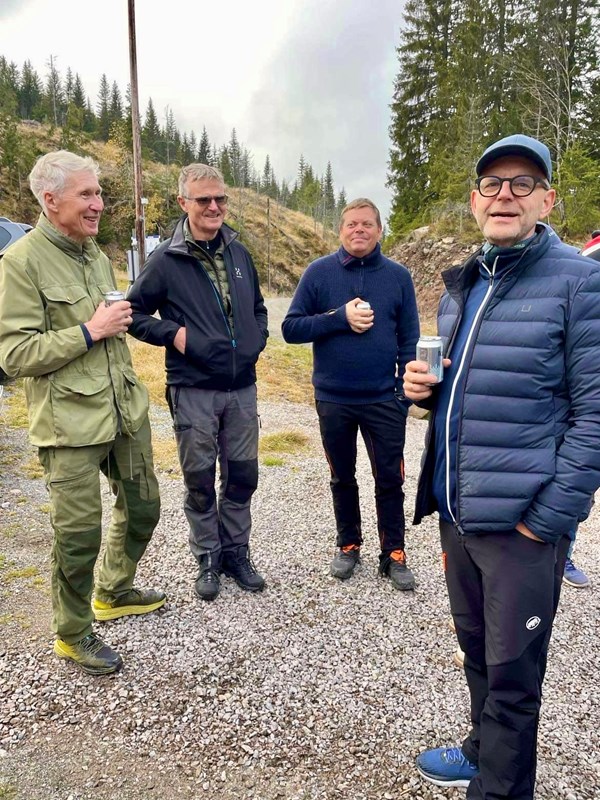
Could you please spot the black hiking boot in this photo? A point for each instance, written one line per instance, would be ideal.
(238, 565)
(208, 583)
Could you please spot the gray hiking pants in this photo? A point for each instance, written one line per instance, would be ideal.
(211, 424)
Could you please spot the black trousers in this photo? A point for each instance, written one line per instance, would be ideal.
(383, 428)
(504, 590)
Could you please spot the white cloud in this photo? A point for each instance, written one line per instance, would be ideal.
(291, 76)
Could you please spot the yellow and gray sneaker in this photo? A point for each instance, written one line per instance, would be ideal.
(135, 601)
(90, 654)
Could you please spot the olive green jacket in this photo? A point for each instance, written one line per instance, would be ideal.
(49, 286)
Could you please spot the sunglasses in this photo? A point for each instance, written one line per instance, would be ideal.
(204, 202)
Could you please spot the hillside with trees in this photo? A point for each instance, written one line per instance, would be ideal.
(471, 72)
(285, 223)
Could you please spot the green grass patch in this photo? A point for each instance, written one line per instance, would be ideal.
(24, 572)
(283, 442)
(15, 413)
(273, 461)
(33, 468)
(7, 791)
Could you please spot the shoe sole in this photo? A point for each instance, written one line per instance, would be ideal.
(206, 598)
(576, 585)
(342, 576)
(245, 587)
(105, 614)
(401, 587)
(460, 783)
(58, 651)
(458, 661)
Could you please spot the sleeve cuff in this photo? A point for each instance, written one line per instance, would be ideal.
(88, 339)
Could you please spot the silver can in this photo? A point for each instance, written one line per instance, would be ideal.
(364, 305)
(113, 297)
(429, 349)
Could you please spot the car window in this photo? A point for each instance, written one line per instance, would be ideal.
(5, 237)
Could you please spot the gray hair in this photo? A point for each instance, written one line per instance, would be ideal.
(196, 172)
(361, 202)
(51, 172)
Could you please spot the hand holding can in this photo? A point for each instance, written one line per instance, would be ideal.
(429, 350)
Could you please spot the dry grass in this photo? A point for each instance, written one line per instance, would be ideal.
(14, 408)
(283, 371)
(283, 442)
(165, 456)
(149, 364)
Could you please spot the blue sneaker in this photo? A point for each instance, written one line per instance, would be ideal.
(446, 766)
(574, 576)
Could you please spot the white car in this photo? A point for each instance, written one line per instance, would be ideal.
(10, 232)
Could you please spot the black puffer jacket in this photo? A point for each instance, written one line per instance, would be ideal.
(175, 284)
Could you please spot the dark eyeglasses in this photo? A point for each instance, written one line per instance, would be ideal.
(204, 202)
(520, 185)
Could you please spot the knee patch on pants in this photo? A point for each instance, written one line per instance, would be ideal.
(201, 489)
(242, 480)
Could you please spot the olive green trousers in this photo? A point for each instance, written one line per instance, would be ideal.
(72, 476)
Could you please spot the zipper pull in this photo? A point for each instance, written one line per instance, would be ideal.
(234, 343)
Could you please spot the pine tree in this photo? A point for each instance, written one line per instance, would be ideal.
(115, 109)
(53, 100)
(234, 152)
(30, 93)
(9, 88)
(204, 151)
(150, 133)
(103, 109)
(79, 98)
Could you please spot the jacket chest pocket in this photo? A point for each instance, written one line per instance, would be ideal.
(67, 306)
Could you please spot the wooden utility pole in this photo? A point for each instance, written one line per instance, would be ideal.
(137, 140)
(269, 244)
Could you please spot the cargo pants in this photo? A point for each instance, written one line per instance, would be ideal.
(210, 426)
(72, 477)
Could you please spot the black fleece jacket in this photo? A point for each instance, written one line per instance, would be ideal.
(174, 283)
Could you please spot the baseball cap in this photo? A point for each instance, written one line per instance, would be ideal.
(518, 145)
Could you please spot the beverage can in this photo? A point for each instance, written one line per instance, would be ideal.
(113, 297)
(429, 349)
(364, 305)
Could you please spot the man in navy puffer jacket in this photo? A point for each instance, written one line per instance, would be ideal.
(512, 457)
(359, 310)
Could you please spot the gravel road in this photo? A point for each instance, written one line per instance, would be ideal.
(313, 689)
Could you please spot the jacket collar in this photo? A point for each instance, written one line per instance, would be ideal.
(86, 251)
(457, 279)
(372, 261)
(179, 243)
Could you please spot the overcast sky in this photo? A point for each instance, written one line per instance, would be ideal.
(292, 76)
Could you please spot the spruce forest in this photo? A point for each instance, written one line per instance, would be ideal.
(468, 73)
(473, 71)
(61, 105)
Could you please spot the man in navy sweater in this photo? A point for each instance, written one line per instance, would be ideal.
(359, 310)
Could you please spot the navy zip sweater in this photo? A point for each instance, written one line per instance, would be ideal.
(349, 367)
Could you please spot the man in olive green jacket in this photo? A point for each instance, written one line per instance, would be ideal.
(87, 410)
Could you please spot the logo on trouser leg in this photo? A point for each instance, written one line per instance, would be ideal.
(532, 623)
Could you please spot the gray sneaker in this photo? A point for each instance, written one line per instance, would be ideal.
(396, 570)
(344, 562)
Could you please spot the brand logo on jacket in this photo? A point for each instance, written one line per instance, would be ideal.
(238, 272)
(532, 623)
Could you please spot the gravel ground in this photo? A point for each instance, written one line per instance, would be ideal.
(313, 689)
